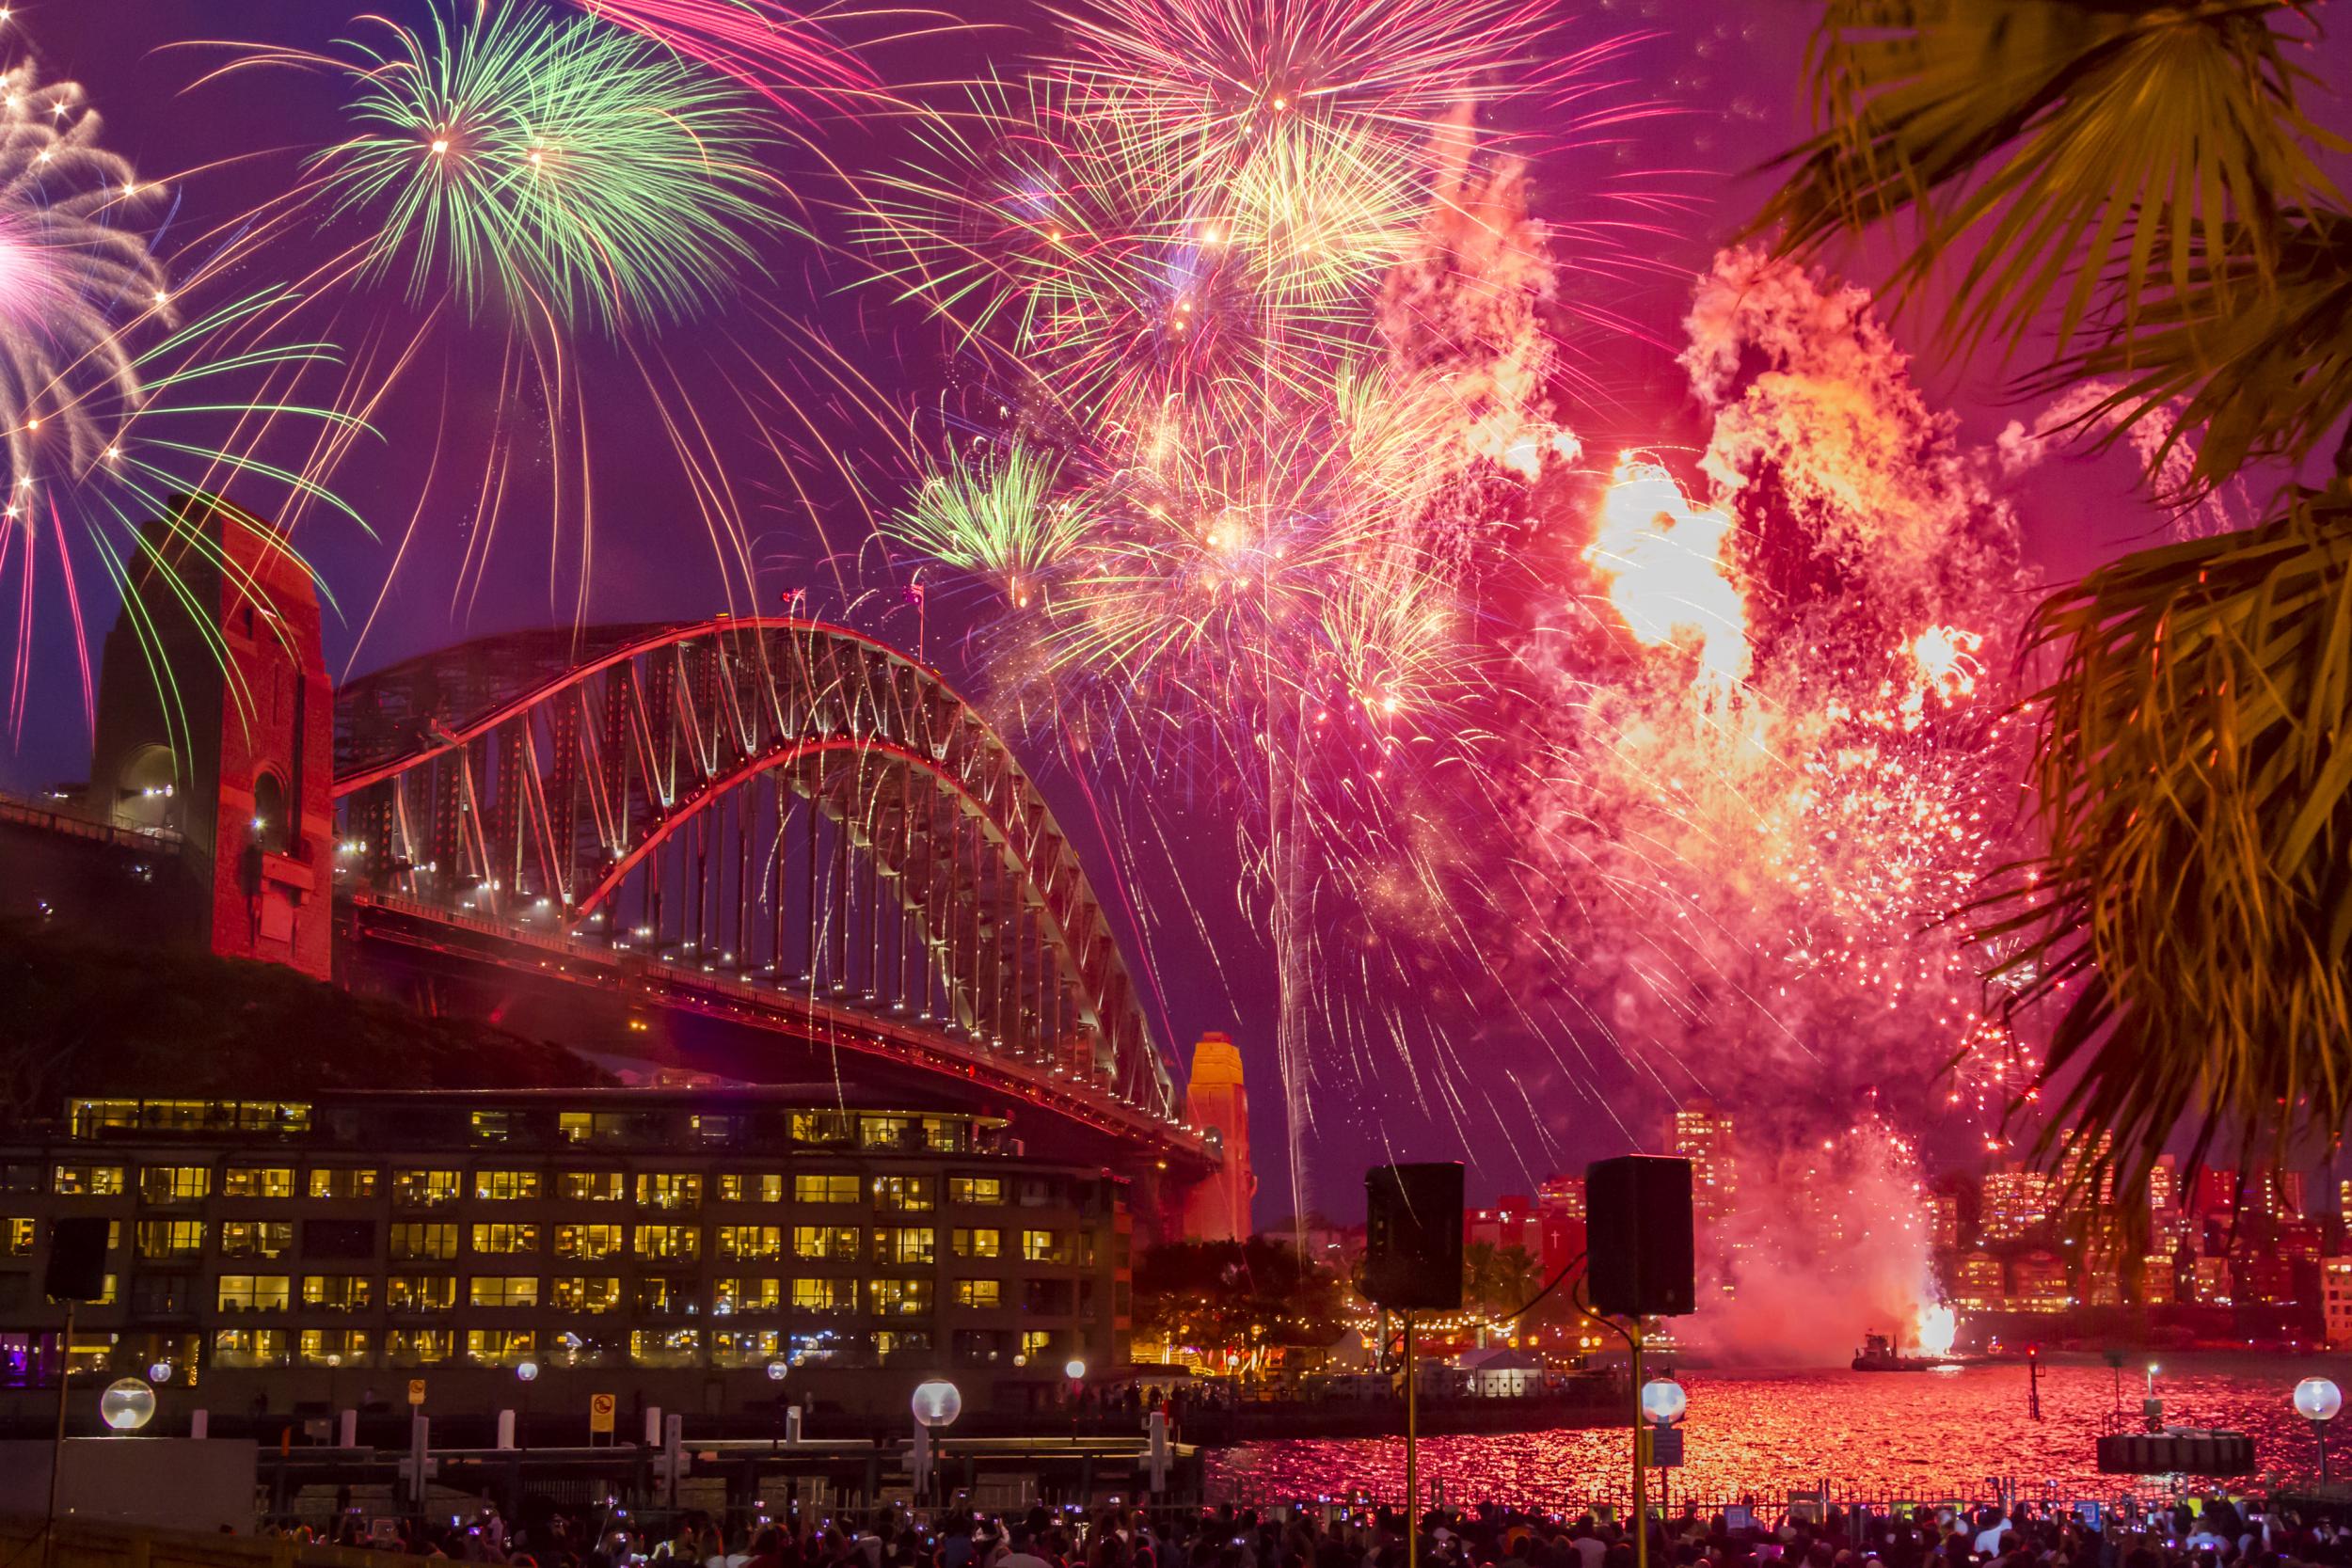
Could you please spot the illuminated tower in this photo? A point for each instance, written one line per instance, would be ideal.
(1703, 1136)
(216, 721)
(1215, 1102)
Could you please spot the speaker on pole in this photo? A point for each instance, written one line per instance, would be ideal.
(77, 1260)
(1638, 1240)
(1413, 1237)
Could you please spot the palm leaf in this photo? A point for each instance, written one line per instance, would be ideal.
(2255, 376)
(2073, 150)
(2191, 913)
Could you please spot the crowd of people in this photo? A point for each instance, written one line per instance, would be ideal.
(2192, 1531)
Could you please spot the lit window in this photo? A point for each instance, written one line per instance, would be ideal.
(745, 1295)
(17, 1235)
(334, 1347)
(417, 1347)
(883, 1131)
(256, 1238)
(342, 1185)
(170, 1237)
(825, 1240)
(492, 1127)
(87, 1181)
(827, 1189)
(338, 1292)
(587, 1240)
(823, 1127)
(890, 1341)
(979, 1292)
(665, 1347)
(682, 1242)
(980, 1190)
(757, 1187)
(669, 1190)
(593, 1293)
(979, 1244)
(174, 1184)
(423, 1189)
(255, 1292)
(501, 1347)
(252, 1347)
(505, 1185)
(1041, 1246)
(750, 1240)
(512, 1290)
(754, 1347)
(1036, 1341)
(502, 1237)
(825, 1295)
(903, 1243)
(257, 1181)
(909, 1194)
(900, 1298)
(421, 1292)
(593, 1186)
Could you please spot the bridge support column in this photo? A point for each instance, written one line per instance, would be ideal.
(1218, 1102)
(224, 732)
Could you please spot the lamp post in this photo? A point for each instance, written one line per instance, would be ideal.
(2316, 1400)
(526, 1373)
(1663, 1400)
(936, 1404)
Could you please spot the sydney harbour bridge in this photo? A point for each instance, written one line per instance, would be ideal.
(760, 850)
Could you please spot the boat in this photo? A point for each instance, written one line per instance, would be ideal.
(1878, 1354)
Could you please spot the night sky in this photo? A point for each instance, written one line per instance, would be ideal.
(1724, 71)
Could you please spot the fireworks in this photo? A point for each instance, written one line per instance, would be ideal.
(111, 406)
(553, 164)
(782, 55)
(996, 516)
(74, 276)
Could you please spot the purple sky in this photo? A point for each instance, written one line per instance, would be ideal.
(1726, 68)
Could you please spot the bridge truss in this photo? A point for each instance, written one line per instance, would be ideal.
(780, 803)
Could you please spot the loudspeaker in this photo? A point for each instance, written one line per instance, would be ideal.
(77, 1260)
(1638, 1244)
(1413, 1237)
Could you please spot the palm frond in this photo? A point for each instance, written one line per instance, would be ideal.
(2192, 911)
(2073, 150)
(2253, 375)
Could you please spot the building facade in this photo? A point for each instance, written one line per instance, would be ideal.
(693, 1246)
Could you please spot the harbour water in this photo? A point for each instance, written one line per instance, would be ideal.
(1916, 1436)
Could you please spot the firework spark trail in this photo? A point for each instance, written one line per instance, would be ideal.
(572, 186)
(1272, 339)
(788, 58)
(1799, 756)
(111, 403)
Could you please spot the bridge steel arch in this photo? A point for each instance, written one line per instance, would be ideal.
(778, 802)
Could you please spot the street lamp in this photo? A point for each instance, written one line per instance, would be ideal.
(936, 1404)
(127, 1405)
(1663, 1400)
(2317, 1401)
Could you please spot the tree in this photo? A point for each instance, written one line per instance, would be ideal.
(1235, 1295)
(2140, 183)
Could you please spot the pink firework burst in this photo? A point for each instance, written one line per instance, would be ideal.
(785, 56)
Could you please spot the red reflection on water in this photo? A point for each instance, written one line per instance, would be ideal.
(1895, 1436)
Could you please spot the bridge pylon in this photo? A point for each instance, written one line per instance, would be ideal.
(216, 724)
